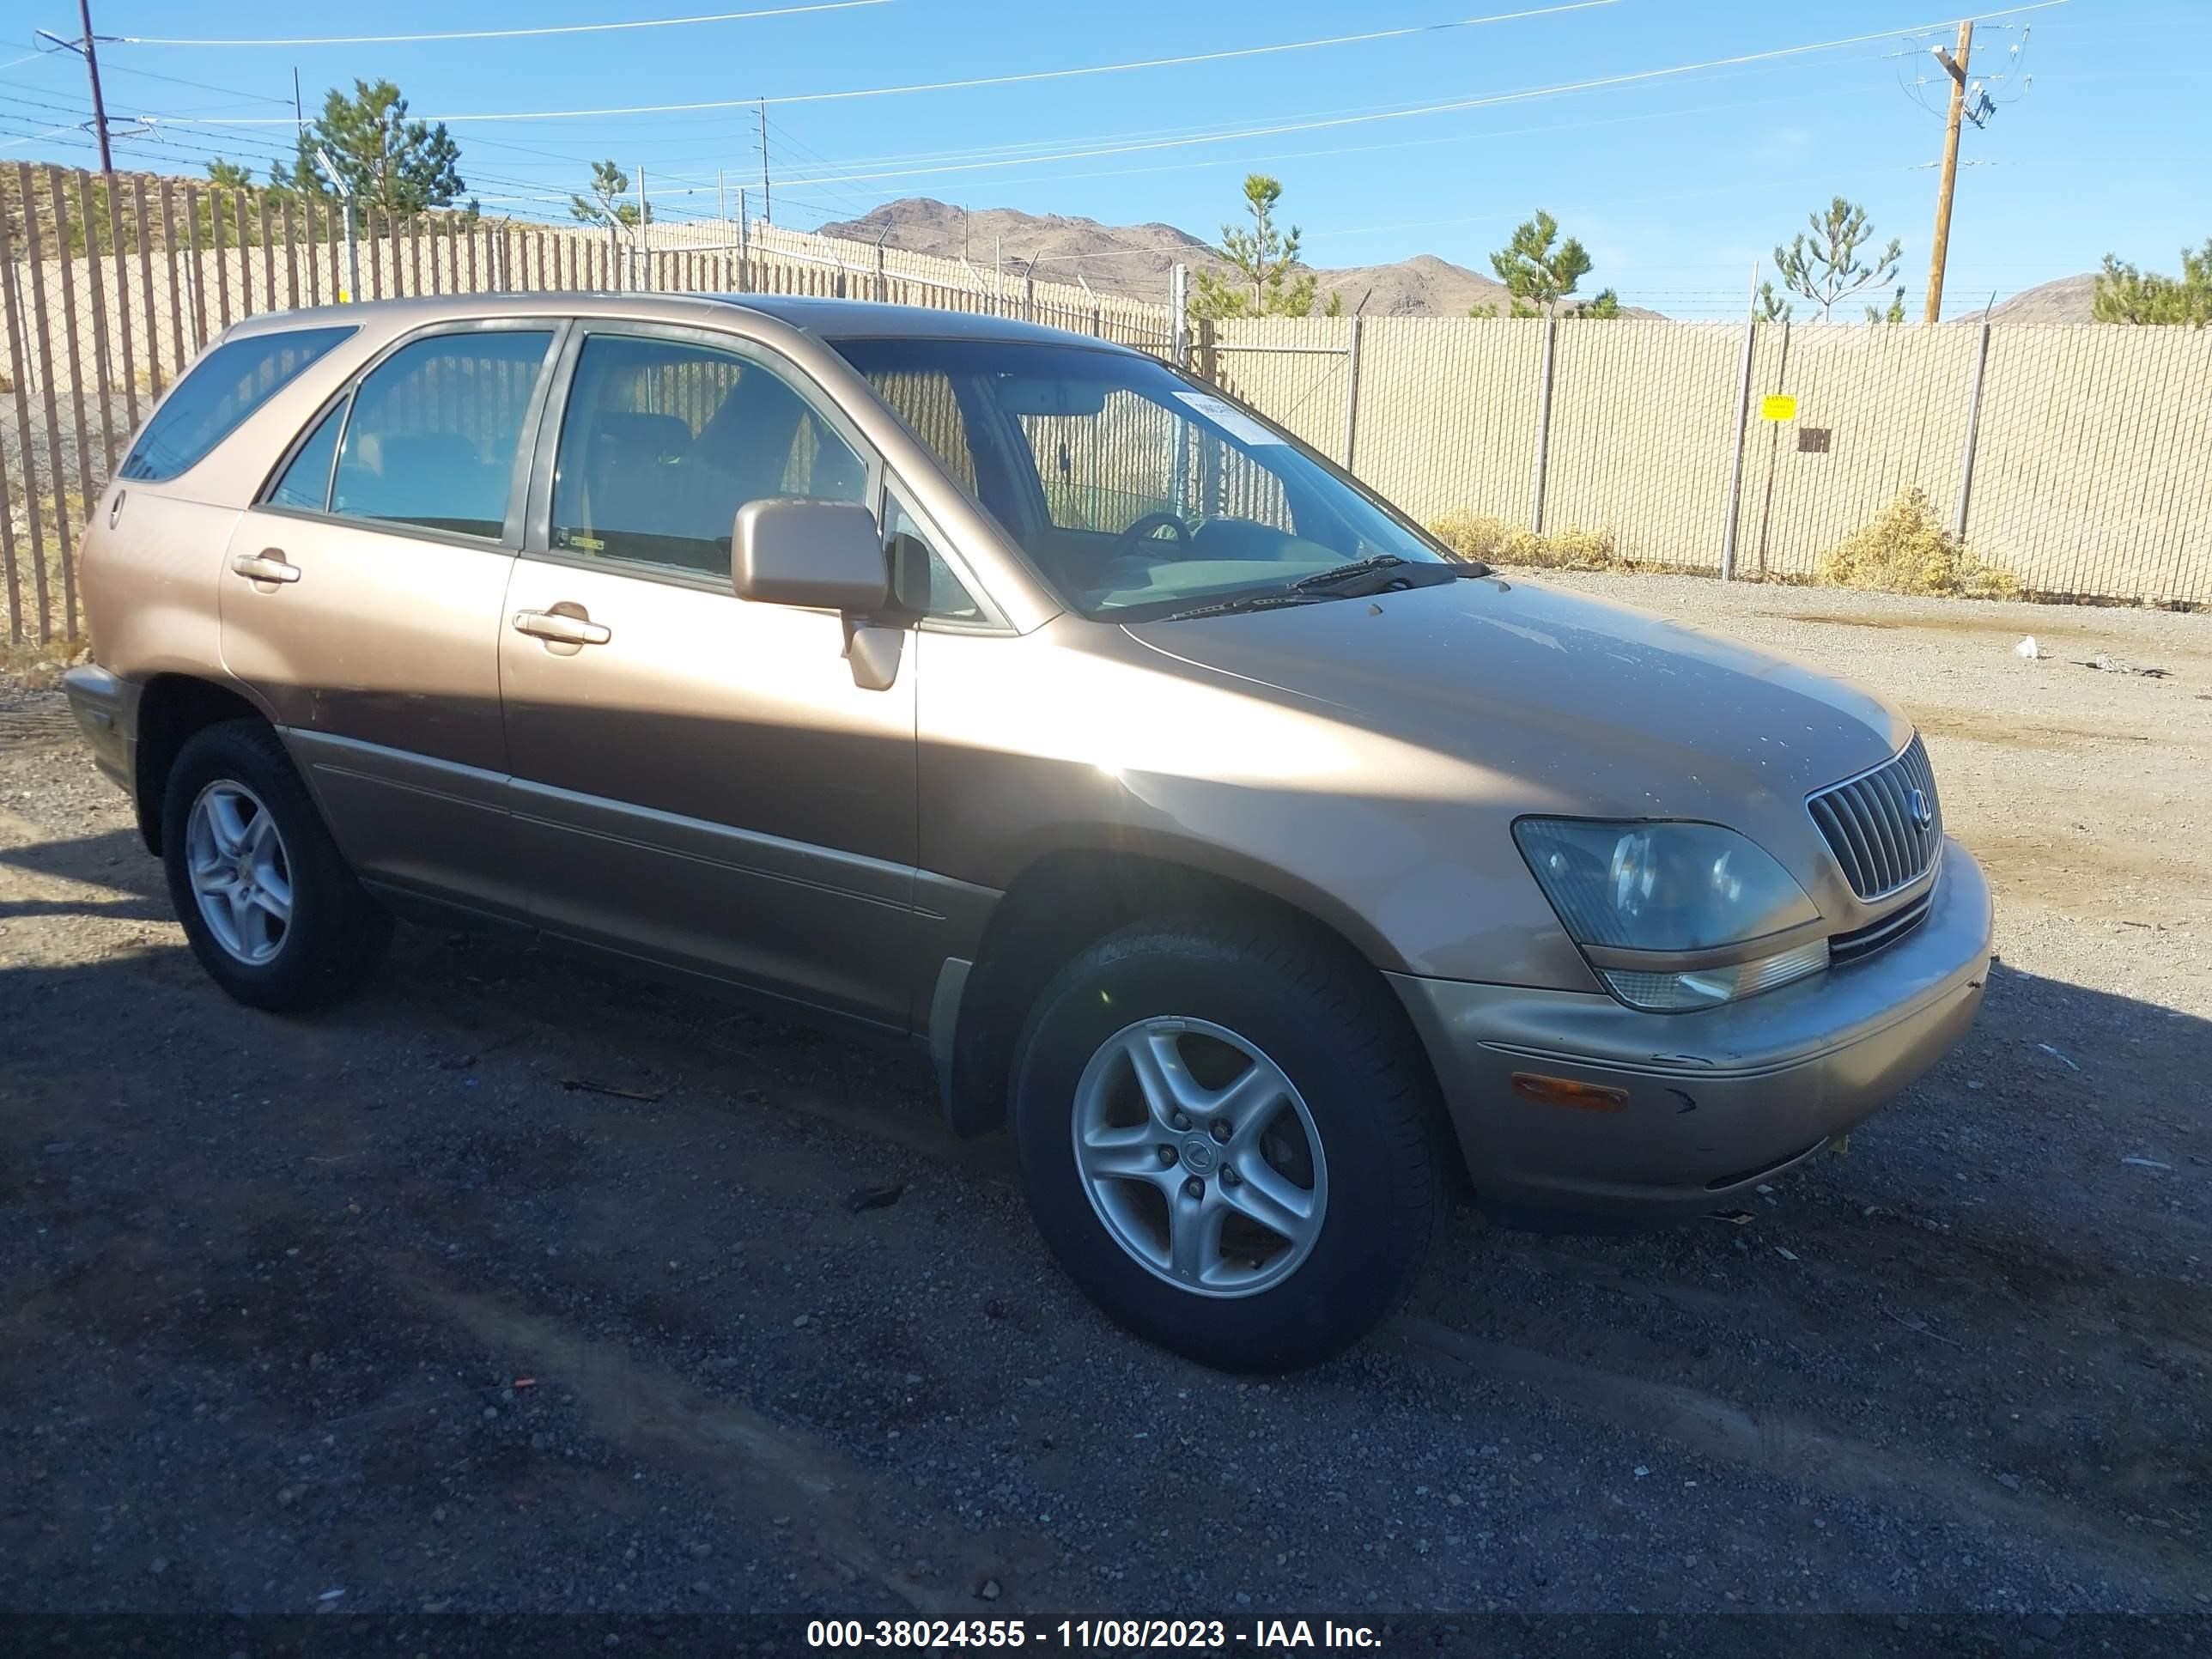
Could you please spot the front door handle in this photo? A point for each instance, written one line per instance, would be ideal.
(561, 628)
(269, 565)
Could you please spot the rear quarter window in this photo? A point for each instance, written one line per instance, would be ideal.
(224, 387)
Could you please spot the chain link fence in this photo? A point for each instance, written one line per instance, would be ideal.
(2075, 458)
(112, 285)
(2078, 460)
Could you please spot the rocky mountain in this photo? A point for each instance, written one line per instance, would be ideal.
(1135, 260)
(2066, 301)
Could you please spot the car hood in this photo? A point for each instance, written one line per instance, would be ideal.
(1599, 710)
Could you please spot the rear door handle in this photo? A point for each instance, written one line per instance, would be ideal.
(269, 565)
(560, 627)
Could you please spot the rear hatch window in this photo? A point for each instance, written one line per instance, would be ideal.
(224, 387)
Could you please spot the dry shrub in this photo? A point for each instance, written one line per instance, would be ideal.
(1907, 549)
(40, 666)
(1475, 535)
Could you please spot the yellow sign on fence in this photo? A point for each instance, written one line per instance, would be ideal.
(1780, 406)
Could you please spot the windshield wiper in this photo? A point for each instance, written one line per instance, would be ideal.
(1274, 598)
(1345, 573)
(1343, 581)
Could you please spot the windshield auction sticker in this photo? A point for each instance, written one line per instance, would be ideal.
(1231, 419)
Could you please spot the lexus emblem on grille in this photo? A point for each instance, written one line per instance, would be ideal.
(1923, 809)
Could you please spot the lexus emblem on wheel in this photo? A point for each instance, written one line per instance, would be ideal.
(1923, 809)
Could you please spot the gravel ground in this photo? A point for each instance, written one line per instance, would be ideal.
(513, 1288)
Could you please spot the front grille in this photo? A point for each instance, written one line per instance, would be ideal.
(1869, 823)
(1865, 941)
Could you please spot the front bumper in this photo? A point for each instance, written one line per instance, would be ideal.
(106, 709)
(1718, 1100)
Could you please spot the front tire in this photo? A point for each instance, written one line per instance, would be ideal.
(266, 900)
(1229, 1140)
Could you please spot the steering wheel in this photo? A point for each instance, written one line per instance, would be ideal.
(1124, 545)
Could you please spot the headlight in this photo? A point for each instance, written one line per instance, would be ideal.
(1674, 889)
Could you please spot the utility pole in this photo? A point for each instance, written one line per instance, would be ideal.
(1179, 301)
(1742, 427)
(644, 247)
(92, 68)
(352, 252)
(1956, 68)
(84, 47)
(298, 115)
(767, 203)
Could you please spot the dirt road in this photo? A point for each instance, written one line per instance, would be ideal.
(510, 1286)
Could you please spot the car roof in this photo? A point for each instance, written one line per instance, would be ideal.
(846, 319)
(825, 318)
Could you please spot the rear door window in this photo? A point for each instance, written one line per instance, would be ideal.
(434, 428)
(225, 386)
(307, 480)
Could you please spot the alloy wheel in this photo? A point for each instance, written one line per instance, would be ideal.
(1199, 1157)
(241, 874)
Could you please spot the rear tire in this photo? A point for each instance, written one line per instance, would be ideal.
(1293, 1208)
(266, 900)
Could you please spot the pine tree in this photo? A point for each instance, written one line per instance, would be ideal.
(1893, 313)
(393, 166)
(608, 205)
(2125, 295)
(1826, 268)
(1540, 272)
(1263, 278)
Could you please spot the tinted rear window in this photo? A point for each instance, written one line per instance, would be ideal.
(223, 388)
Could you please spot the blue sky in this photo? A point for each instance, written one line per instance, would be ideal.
(1675, 183)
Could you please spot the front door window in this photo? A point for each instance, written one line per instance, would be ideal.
(663, 442)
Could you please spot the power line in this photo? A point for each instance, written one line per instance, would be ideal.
(1050, 149)
(1690, 305)
(1484, 135)
(508, 34)
(203, 85)
(193, 142)
(834, 182)
(49, 132)
(1033, 75)
(167, 154)
(1598, 83)
(784, 133)
(1083, 151)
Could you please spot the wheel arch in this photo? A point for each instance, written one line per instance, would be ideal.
(1069, 898)
(172, 709)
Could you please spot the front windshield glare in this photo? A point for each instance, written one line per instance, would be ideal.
(1137, 494)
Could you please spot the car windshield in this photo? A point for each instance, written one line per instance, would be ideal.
(1137, 493)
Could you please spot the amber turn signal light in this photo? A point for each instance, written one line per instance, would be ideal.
(1566, 1092)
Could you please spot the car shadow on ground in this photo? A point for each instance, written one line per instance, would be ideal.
(365, 1223)
(117, 862)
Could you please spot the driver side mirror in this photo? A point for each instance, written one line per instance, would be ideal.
(823, 556)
